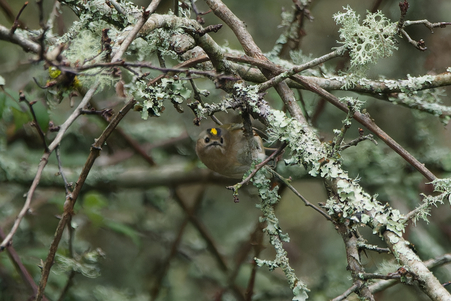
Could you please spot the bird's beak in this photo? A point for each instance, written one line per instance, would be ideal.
(214, 144)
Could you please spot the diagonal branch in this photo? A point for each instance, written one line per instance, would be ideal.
(429, 284)
(72, 198)
(367, 121)
(43, 163)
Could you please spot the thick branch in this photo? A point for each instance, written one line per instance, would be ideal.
(26, 44)
(351, 241)
(428, 283)
(430, 264)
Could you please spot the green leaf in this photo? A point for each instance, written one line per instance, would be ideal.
(42, 115)
(125, 230)
(93, 202)
(2, 103)
(11, 99)
(20, 118)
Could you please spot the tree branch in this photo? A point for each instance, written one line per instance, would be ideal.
(428, 283)
(72, 198)
(43, 162)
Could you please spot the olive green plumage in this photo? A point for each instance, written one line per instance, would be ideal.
(225, 150)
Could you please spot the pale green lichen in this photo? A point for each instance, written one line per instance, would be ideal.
(353, 105)
(151, 98)
(425, 101)
(366, 42)
(306, 149)
(98, 9)
(87, 264)
(269, 197)
(443, 188)
(350, 200)
(401, 247)
(84, 40)
(287, 18)
(85, 48)
(159, 40)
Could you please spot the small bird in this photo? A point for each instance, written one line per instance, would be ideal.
(225, 150)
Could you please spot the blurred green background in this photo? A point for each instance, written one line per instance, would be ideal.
(130, 226)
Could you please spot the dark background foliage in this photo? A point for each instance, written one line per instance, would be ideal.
(145, 245)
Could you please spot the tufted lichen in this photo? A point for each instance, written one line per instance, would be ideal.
(366, 42)
(151, 98)
(349, 200)
(270, 197)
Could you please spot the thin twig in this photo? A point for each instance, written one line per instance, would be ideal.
(165, 70)
(61, 172)
(306, 202)
(403, 6)
(19, 266)
(53, 16)
(369, 276)
(349, 291)
(8, 12)
(190, 213)
(73, 272)
(117, 7)
(199, 19)
(203, 231)
(356, 141)
(136, 146)
(251, 49)
(407, 257)
(296, 69)
(72, 198)
(106, 114)
(350, 239)
(420, 45)
(374, 87)
(16, 20)
(41, 13)
(430, 264)
(67, 286)
(257, 168)
(428, 24)
(368, 122)
(338, 139)
(43, 163)
(256, 241)
(35, 120)
(374, 248)
(198, 97)
(132, 34)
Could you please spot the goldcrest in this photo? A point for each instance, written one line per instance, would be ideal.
(225, 150)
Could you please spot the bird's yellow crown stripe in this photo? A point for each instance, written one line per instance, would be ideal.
(213, 131)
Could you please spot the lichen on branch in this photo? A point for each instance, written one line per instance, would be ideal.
(367, 42)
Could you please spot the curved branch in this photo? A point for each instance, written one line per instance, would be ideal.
(15, 38)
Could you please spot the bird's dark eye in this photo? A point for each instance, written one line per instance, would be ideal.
(222, 140)
(207, 139)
